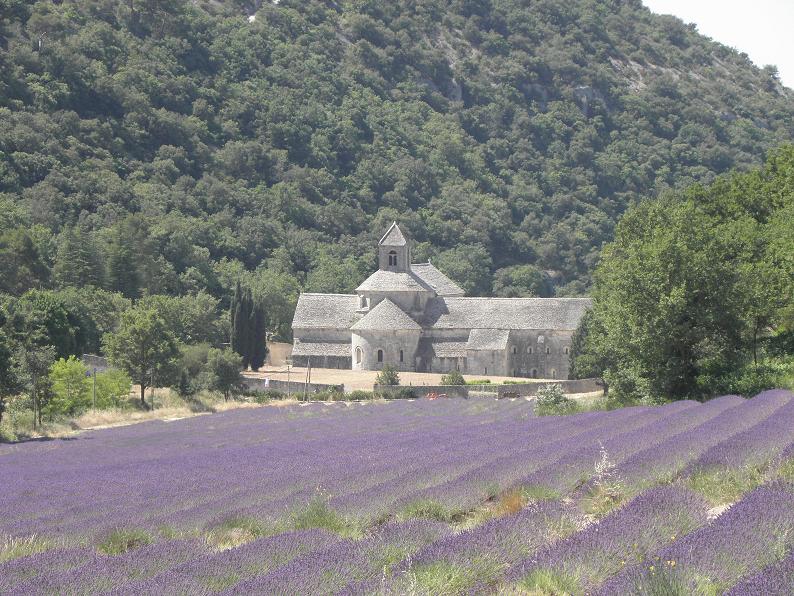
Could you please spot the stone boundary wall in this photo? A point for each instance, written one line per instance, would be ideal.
(519, 390)
(293, 387)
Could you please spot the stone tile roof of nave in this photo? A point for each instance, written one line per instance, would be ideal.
(504, 313)
(338, 311)
(326, 311)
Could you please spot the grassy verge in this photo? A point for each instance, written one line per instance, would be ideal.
(17, 425)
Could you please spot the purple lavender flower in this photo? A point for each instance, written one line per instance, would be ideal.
(622, 538)
(775, 580)
(751, 535)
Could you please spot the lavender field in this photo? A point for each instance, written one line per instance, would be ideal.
(445, 496)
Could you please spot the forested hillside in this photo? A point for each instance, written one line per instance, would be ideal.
(171, 147)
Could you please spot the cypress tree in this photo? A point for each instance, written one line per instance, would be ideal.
(258, 337)
(240, 314)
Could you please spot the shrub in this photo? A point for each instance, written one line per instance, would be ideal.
(479, 382)
(71, 388)
(453, 378)
(768, 374)
(551, 401)
(326, 395)
(262, 397)
(360, 395)
(404, 393)
(388, 376)
(112, 389)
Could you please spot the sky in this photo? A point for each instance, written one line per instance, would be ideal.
(761, 28)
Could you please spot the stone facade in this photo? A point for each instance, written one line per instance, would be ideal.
(415, 318)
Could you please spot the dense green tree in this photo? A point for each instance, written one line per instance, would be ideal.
(470, 266)
(79, 261)
(143, 346)
(521, 280)
(32, 365)
(278, 293)
(21, 263)
(693, 286)
(46, 318)
(225, 367)
(388, 376)
(192, 319)
(123, 275)
(8, 381)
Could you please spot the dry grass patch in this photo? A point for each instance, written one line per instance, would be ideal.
(14, 548)
(235, 532)
(95, 419)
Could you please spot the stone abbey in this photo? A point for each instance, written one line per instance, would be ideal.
(413, 317)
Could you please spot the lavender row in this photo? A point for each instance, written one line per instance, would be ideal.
(214, 572)
(775, 580)
(755, 446)
(587, 558)
(667, 458)
(751, 535)
(482, 553)
(329, 570)
(93, 572)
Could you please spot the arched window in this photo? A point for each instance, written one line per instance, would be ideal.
(359, 355)
(362, 302)
(529, 350)
(548, 350)
(380, 355)
(566, 350)
(553, 373)
(534, 373)
(392, 258)
(417, 302)
(515, 350)
(401, 355)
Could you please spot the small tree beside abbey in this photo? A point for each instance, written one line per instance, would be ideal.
(248, 328)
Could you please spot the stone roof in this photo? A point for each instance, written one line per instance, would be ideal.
(393, 236)
(505, 313)
(319, 348)
(393, 281)
(339, 311)
(326, 311)
(442, 285)
(488, 339)
(386, 316)
(448, 349)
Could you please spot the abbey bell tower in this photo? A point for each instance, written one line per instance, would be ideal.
(393, 251)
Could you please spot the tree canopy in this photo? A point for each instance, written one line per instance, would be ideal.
(173, 148)
(697, 289)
